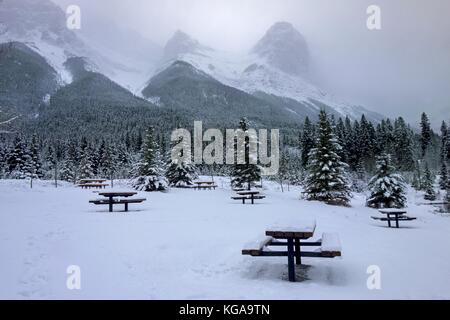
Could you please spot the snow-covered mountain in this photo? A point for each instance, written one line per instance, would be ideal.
(277, 66)
(275, 70)
(41, 25)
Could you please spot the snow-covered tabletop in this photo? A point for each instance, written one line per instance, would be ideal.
(393, 211)
(300, 230)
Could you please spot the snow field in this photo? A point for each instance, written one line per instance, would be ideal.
(187, 244)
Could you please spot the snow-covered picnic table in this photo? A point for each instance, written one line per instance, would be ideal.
(204, 185)
(328, 247)
(110, 201)
(396, 215)
(248, 195)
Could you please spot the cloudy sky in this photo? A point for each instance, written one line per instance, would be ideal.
(402, 69)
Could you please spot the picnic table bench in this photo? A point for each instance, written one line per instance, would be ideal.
(248, 195)
(394, 215)
(93, 185)
(86, 181)
(112, 198)
(204, 185)
(291, 238)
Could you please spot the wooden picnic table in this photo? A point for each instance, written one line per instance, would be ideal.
(112, 195)
(248, 195)
(329, 245)
(85, 181)
(203, 185)
(93, 185)
(396, 215)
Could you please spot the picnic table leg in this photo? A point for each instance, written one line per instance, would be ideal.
(126, 207)
(389, 220)
(298, 258)
(396, 221)
(291, 266)
(253, 199)
(110, 204)
(243, 200)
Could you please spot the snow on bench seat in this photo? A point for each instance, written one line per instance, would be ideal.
(256, 247)
(331, 245)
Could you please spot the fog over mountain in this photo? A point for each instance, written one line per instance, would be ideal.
(401, 69)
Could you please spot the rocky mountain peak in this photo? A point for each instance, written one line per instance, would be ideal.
(284, 48)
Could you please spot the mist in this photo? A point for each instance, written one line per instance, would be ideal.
(400, 70)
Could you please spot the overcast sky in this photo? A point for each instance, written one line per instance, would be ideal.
(402, 69)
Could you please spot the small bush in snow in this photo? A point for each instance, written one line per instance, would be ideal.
(150, 183)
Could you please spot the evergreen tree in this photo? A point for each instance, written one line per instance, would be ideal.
(387, 188)
(245, 175)
(17, 159)
(426, 133)
(85, 170)
(428, 185)
(67, 171)
(443, 179)
(307, 141)
(403, 146)
(326, 181)
(36, 164)
(180, 173)
(150, 168)
(444, 131)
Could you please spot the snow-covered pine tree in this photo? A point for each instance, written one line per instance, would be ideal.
(245, 175)
(307, 141)
(425, 137)
(150, 168)
(35, 158)
(403, 145)
(443, 178)
(447, 195)
(428, 185)
(67, 171)
(108, 161)
(85, 170)
(388, 189)
(17, 158)
(180, 173)
(326, 181)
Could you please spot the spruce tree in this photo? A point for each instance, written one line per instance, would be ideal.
(85, 170)
(35, 158)
(180, 173)
(443, 178)
(150, 168)
(307, 141)
(425, 137)
(245, 175)
(444, 131)
(17, 158)
(387, 188)
(326, 181)
(403, 145)
(428, 185)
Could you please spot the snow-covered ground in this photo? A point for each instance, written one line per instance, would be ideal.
(187, 244)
